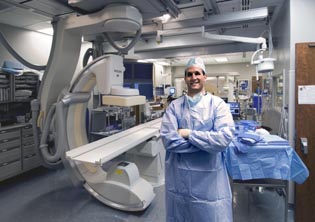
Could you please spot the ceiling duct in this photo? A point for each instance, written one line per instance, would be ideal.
(4, 6)
(171, 7)
(245, 5)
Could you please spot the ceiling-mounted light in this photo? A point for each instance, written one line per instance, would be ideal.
(162, 63)
(165, 18)
(142, 61)
(221, 59)
(263, 65)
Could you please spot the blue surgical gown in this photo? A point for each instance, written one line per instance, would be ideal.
(196, 179)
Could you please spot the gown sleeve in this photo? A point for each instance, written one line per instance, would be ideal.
(172, 141)
(220, 136)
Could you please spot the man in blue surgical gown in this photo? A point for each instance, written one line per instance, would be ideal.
(196, 129)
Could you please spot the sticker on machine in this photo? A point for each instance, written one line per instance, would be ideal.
(306, 94)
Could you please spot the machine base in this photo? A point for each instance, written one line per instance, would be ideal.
(123, 188)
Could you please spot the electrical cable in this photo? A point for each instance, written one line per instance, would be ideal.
(6, 44)
(89, 53)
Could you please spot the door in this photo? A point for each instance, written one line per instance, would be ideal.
(305, 127)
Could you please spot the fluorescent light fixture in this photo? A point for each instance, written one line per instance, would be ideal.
(48, 31)
(211, 78)
(162, 63)
(142, 61)
(233, 74)
(146, 60)
(155, 61)
(166, 17)
(215, 77)
(221, 59)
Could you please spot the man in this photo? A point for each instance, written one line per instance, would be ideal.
(196, 129)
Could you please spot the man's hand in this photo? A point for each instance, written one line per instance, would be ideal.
(184, 132)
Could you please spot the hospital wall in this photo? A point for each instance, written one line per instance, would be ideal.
(245, 71)
(292, 26)
(34, 47)
(161, 75)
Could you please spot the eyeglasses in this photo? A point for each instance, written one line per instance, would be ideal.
(190, 74)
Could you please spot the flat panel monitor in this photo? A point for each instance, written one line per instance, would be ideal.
(145, 89)
(172, 91)
(225, 99)
(159, 91)
(235, 109)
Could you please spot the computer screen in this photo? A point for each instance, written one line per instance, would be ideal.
(159, 91)
(172, 91)
(225, 99)
(235, 108)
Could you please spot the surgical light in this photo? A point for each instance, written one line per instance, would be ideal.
(263, 65)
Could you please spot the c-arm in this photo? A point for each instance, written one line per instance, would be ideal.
(59, 113)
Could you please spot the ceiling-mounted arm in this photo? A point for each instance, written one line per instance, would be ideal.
(259, 40)
(174, 32)
(262, 65)
(169, 32)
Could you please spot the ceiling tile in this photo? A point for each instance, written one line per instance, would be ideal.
(21, 17)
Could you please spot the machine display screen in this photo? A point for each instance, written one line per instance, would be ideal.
(234, 108)
(172, 91)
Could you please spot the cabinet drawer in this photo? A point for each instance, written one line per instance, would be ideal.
(9, 156)
(10, 170)
(31, 162)
(28, 140)
(29, 150)
(9, 134)
(27, 130)
(9, 145)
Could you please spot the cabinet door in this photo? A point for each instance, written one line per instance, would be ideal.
(305, 128)
(5, 92)
(29, 154)
(9, 134)
(10, 145)
(10, 153)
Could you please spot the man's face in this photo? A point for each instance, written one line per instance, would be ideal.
(195, 80)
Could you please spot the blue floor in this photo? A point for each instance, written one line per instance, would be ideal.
(44, 195)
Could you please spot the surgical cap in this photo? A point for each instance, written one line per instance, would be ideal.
(197, 62)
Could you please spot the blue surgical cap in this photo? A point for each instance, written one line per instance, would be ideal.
(197, 62)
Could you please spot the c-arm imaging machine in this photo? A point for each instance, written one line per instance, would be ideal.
(60, 115)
